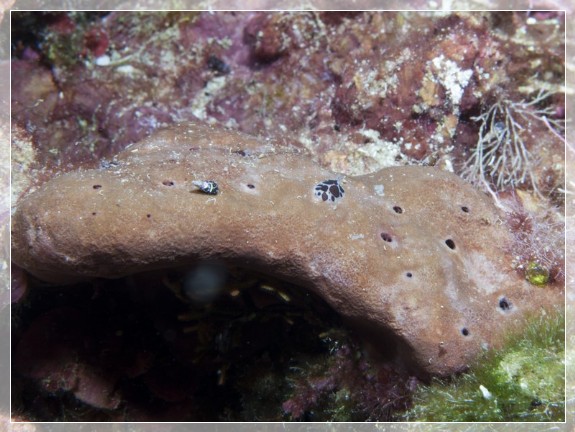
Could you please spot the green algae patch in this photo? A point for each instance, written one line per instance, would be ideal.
(523, 382)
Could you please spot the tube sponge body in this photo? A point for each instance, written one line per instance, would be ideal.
(414, 258)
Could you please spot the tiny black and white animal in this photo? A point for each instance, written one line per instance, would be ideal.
(329, 190)
(206, 186)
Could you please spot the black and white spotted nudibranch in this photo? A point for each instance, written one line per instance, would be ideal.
(329, 190)
(206, 186)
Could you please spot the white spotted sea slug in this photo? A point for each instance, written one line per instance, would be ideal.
(413, 258)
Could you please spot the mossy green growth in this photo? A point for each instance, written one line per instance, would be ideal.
(536, 274)
(522, 382)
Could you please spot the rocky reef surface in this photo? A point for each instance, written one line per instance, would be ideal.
(476, 94)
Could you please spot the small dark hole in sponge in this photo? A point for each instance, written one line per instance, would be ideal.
(97, 187)
(409, 274)
(251, 186)
(450, 243)
(168, 183)
(464, 331)
(504, 304)
(386, 237)
(148, 215)
(93, 213)
(397, 209)
(465, 209)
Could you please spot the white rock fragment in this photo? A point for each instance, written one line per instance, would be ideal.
(103, 60)
(486, 393)
(452, 77)
(126, 69)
